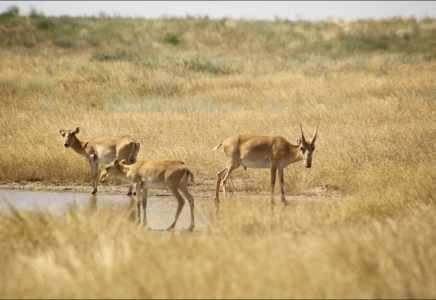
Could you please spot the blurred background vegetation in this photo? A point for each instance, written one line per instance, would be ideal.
(142, 39)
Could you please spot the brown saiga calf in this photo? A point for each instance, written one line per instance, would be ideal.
(154, 174)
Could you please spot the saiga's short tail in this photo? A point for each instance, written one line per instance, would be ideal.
(191, 176)
(217, 146)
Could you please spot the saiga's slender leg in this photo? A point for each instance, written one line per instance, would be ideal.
(138, 200)
(230, 169)
(188, 196)
(219, 175)
(94, 171)
(126, 151)
(180, 201)
(273, 181)
(282, 192)
(144, 205)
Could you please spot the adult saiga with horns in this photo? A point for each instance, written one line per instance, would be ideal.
(255, 151)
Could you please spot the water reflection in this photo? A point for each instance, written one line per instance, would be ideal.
(92, 203)
(160, 209)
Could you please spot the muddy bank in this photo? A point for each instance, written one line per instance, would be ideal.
(87, 188)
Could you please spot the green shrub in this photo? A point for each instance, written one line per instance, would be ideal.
(431, 57)
(63, 43)
(45, 24)
(117, 55)
(11, 11)
(171, 39)
(93, 41)
(14, 10)
(205, 65)
(368, 43)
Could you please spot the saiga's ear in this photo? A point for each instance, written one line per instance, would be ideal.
(77, 130)
(116, 162)
(123, 162)
(62, 132)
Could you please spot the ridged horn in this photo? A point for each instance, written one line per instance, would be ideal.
(302, 134)
(314, 135)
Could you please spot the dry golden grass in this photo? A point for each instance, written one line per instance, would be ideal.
(378, 244)
(376, 146)
(373, 127)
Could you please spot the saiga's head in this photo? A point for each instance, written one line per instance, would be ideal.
(69, 135)
(307, 147)
(111, 170)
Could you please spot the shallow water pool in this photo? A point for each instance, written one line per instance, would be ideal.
(160, 209)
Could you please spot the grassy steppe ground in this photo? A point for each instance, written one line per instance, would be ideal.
(180, 87)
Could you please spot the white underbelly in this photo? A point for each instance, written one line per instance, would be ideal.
(263, 163)
(258, 164)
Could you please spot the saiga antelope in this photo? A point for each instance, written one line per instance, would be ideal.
(154, 174)
(255, 151)
(102, 150)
